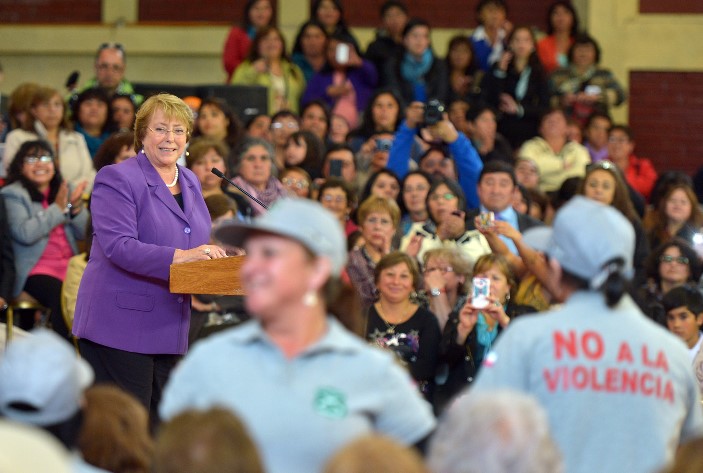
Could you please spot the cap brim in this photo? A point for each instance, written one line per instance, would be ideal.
(539, 238)
(235, 233)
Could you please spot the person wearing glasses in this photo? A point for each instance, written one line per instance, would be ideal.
(378, 219)
(45, 217)
(446, 225)
(337, 196)
(672, 264)
(110, 67)
(148, 213)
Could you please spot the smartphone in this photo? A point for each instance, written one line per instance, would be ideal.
(486, 219)
(383, 144)
(336, 167)
(592, 90)
(481, 291)
(341, 54)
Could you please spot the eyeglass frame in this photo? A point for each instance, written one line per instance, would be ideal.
(443, 270)
(674, 259)
(32, 160)
(163, 132)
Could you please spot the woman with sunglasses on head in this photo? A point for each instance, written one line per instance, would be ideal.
(45, 217)
(148, 213)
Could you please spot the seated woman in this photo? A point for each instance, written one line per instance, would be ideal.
(124, 111)
(345, 84)
(414, 189)
(256, 173)
(471, 332)
(115, 149)
(297, 182)
(378, 219)
(382, 183)
(447, 280)
(562, 26)
(309, 48)
(417, 75)
(338, 197)
(516, 85)
(315, 116)
(463, 72)
(269, 65)
(672, 264)
(45, 218)
(204, 154)
(445, 227)
(257, 14)
(216, 119)
(583, 87)
(47, 121)
(92, 118)
(330, 14)
(677, 215)
(305, 150)
(398, 324)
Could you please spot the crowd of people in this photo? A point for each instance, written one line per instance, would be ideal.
(404, 218)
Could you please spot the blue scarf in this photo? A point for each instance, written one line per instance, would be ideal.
(485, 338)
(413, 70)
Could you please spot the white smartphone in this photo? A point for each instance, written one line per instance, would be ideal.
(481, 291)
(341, 54)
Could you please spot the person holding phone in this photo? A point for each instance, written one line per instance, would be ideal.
(345, 83)
(471, 331)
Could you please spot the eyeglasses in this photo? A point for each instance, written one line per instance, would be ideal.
(618, 139)
(445, 196)
(279, 125)
(417, 188)
(161, 131)
(340, 199)
(672, 259)
(385, 222)
(38, 159)
(443, 270)
(110, 67)
(299, 183)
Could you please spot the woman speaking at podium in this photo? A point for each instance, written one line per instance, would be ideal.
(148, 213)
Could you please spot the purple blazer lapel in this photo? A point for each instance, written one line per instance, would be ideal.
(157, 186)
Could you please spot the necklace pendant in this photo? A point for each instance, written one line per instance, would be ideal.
(391, 330)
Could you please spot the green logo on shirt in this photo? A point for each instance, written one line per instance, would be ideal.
(330, 403)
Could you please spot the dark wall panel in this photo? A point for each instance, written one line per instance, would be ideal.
(671, 6)
(50, 11)
(666, 116)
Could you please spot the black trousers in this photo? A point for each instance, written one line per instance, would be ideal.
(141, 375)
(47, 290)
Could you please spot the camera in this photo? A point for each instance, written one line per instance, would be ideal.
(383, 144)
(433, 112)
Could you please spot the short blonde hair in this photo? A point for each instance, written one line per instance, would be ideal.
(379, 204)
(174, 109)
(456, 259)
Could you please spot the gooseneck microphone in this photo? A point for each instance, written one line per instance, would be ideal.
(219, 174)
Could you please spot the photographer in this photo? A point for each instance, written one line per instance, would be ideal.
(432, 123)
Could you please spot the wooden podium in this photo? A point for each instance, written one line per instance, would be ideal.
(218, 276)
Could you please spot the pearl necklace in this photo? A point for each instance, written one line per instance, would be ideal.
(175, 180)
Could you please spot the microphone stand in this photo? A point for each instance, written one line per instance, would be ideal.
(219, 174)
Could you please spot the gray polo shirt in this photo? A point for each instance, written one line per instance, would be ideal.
(300, 410)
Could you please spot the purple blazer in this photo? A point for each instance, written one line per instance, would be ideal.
(123, 300)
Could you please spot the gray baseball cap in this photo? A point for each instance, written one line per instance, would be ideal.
(302, 220)
(584, 237)
(42, 372)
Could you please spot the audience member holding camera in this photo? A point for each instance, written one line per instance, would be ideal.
(433, 123)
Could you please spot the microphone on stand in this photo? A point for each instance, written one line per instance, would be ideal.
(219, 174)
(72, 81)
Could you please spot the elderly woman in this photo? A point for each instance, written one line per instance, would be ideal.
(45, 218)
(398, 324)
(48, 122)
(470, 332)
(447, 280)
(378, 219)
(339, 389)
(256, 173)
(148, 213)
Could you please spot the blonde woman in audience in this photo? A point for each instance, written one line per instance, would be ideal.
(48, 122)
(447, 280)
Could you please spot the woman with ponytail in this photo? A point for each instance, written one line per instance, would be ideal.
(580, 360)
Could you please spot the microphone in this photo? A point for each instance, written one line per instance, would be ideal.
(219, 174)
(72, 81)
